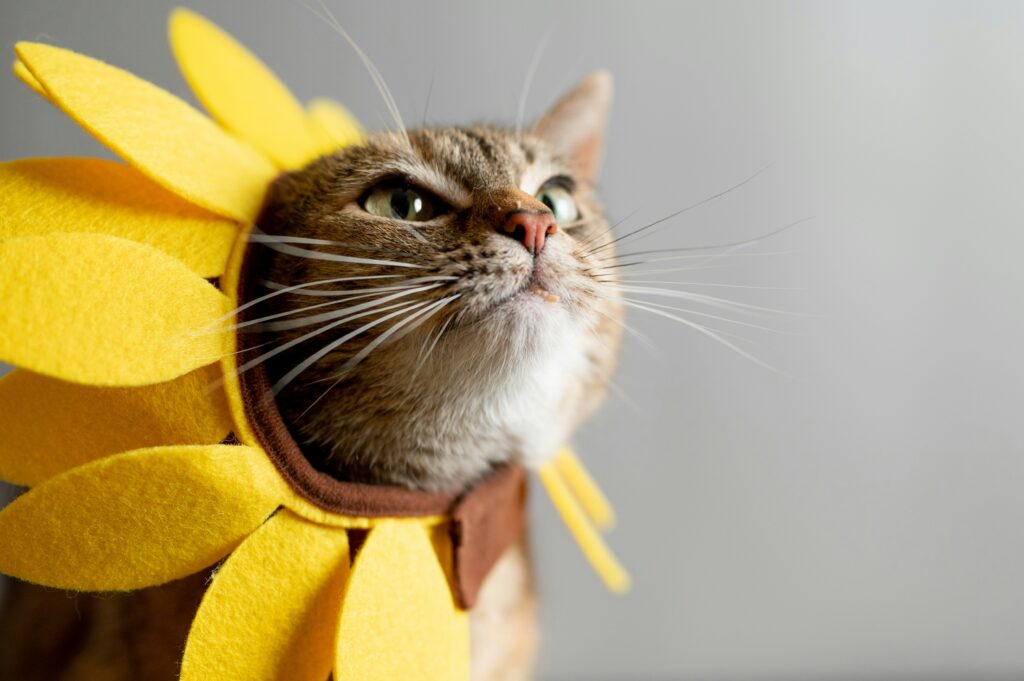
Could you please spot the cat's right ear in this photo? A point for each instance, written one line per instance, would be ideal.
(576, 125)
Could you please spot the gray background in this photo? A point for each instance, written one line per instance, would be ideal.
(859, 519)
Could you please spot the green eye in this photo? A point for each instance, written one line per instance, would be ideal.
(560, 201)
(400, 203)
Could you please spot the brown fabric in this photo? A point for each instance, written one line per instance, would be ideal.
(485, 523)
(486, 519)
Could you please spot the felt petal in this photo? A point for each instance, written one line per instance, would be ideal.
(586, 490)
(336, 127)
(97, 309)
(272, 610)
(156, 132)
(240, 92)
(26, 77)
(587, 537)
(399, 619)
(50, 426)
(43, 195)
(138, 519)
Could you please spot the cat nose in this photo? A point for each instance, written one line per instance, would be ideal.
(529, 228)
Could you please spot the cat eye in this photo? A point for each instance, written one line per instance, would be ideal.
(558, 197)
(401, 203)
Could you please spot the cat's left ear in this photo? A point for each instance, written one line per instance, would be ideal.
(576, 125)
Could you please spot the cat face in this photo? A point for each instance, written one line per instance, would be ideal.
(449, 288)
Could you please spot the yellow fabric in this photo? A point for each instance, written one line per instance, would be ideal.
(588, 538)
(585, 489)
(40, 196)
(50, 426)
(334, 125)
(158, 133)
(97, 309)
(240, 92)
(271, 611)
(138, 519)
(26, 77)
(399, 619)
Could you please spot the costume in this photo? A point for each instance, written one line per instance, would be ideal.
(152, 452)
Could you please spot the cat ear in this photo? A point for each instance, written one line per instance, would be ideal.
(575, 126)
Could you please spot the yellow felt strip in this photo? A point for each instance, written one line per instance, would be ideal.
(399, 619)
(39, 196)
(156, 132)
(138, 519)
(240, 92)
(590, 496)
(26, 77)
(336, 127)
(272, 610)
(50, 426)
(97, 309)
(588, 538)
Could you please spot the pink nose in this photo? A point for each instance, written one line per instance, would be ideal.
(530, 229)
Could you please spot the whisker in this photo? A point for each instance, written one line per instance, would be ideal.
(702, 298)
(689, 257)
(531, 71)
(709, 316)
(389, 101)
(711, 334)
(334, 257)
(282, 291)
(700, 203)
(334, 314)
(735, 244)
(322, 352)
(408, 283)
(295, 341)
(364, 353)
(698, 283)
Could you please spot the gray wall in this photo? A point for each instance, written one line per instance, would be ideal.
(859, 519)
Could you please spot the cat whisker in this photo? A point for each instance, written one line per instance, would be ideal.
(334, 314)
(422, 357)
(315, 332)
(697, 283)
(330, 347)
(702, 298)
(282, 291)
(688, 257)
(589, 243)
(331, 20)
(734, 244)
(681, 211)
(531, 71)
(715, 335)
(407, 283)
(428, 311)
(710, 316)
(310, 254)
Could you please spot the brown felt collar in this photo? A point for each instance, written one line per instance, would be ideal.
(486, 519)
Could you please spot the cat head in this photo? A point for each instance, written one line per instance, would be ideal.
(443, 296)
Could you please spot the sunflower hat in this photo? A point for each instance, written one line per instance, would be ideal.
(150, 456)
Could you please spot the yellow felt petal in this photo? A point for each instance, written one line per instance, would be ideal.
(399, 619)
(50, 426)
(156, 132)
(26, 77)
(97, 309)
(588, 538)
(44, 195)
(240, 91)
(586, 490)
(138, 519)
(272, 610)
(335, 126)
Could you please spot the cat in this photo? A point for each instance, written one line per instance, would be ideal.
(483, 256)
